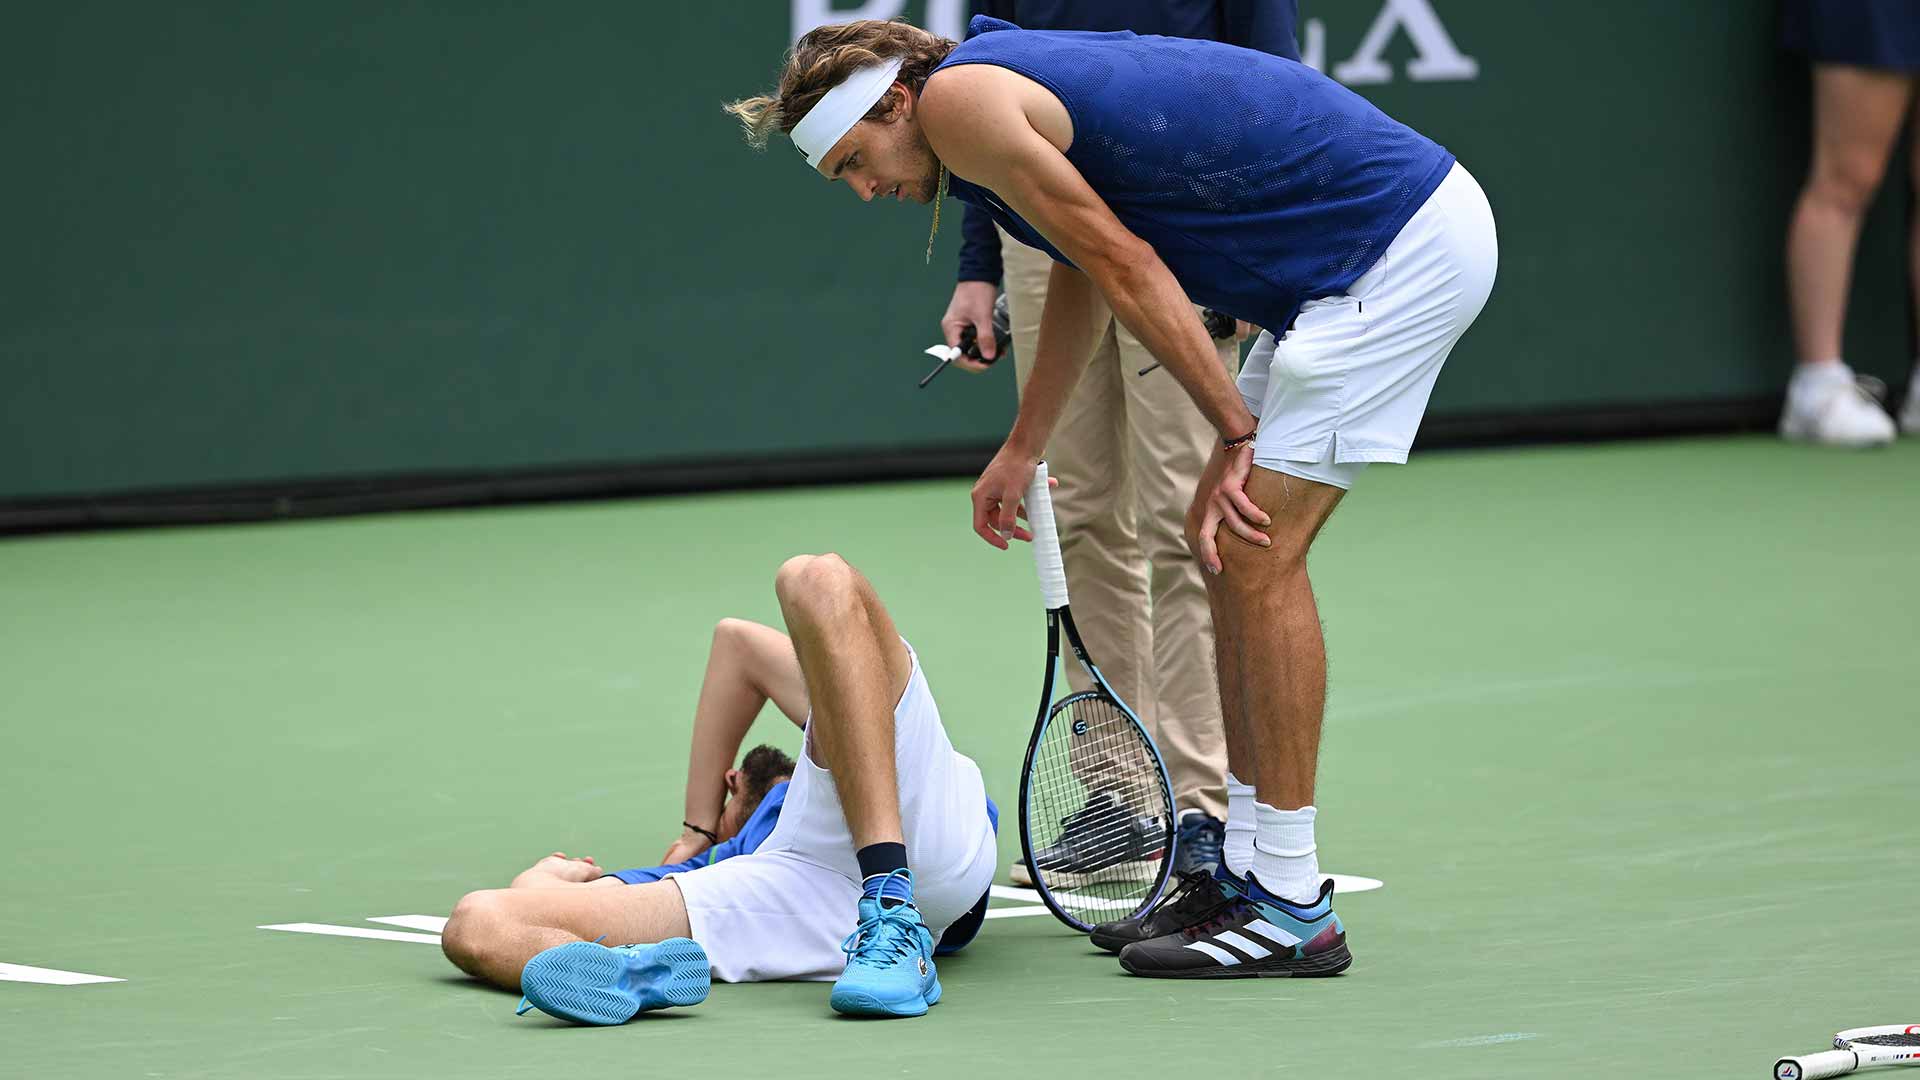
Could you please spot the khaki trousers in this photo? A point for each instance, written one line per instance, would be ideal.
(1128, 453)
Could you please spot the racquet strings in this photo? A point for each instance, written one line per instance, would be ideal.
(1897, 1038)
(1097, 793)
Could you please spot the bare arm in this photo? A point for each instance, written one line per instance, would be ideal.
(749, 665)
(1060, 358)
(978, 120)
(557, 871)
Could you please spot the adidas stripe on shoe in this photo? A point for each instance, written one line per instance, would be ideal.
(1255, 936)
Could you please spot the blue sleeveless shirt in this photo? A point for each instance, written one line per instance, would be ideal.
(1261, 183)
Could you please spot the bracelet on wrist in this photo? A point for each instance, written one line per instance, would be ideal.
(1236, 443)
(711, 838)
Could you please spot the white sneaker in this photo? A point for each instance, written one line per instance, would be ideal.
(1828, 404)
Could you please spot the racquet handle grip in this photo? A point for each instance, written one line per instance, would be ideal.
(1046, 541)
(1815, 1066)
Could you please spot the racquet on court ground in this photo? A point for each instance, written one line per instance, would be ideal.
(1856, 1048)
(1096, 811)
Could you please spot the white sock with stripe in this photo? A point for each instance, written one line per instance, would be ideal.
(1285, 857)
(1237, 851)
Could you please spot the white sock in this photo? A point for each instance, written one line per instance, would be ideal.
(1284, 854)
(1237, 852)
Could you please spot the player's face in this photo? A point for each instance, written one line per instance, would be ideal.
(878, 159)
(734, 815)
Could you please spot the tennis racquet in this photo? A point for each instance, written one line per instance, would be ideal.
(1096, 811)
(1857, 1048)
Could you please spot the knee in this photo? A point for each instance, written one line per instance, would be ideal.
(729, 634)
(1246, 569)
(473, 930)
(1847, 180)
(818, 589)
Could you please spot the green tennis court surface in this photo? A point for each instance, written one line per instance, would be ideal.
(1627, 731)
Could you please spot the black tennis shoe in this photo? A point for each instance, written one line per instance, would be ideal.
(1199, 895)
(1254, 936)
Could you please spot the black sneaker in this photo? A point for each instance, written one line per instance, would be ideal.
(1199, 895)
(1103, 837)
(1197, 842)
(1255, 936)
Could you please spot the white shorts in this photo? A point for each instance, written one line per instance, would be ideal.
(782, 911)
(1349, 382)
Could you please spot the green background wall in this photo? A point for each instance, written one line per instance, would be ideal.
(253, 243)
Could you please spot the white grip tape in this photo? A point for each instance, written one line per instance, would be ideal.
(1046, 541)
(1815, 1066)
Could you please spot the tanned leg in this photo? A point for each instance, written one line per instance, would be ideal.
(493, 933)
(1272, 656)
(1857, 116)
(856, 669)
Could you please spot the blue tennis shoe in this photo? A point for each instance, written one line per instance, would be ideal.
(889, 964)
(590, 983)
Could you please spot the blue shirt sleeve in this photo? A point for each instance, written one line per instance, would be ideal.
(758, 828)
(979, 247)
(1266, 25)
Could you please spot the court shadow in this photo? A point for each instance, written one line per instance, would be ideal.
(534, 1019)
(456, 981)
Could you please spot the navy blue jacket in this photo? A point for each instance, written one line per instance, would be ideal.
(1266, 25)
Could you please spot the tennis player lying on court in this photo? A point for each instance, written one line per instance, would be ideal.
(828, 893)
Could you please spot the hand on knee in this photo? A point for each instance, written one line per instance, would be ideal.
(557, 868)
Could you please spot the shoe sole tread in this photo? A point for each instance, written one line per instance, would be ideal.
(591, 984)
(1318, 966)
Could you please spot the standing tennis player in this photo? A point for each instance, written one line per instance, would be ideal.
(1155, 170)
(1128, 451)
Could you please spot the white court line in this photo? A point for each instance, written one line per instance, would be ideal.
(352, 931)
(1342, 883)
(435, 924)
(432, 924)
(50, 976)
(1010, 892)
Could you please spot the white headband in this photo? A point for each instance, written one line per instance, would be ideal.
(841, 108)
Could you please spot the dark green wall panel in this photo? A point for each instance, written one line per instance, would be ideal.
(266, 242)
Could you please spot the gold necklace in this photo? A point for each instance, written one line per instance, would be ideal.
(939, 196)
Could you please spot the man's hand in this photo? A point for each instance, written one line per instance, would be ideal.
(972, 305)
(1221, 498)
(557, 869)
(997, 495)
(689, 845)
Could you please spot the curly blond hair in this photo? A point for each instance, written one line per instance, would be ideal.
(824, 57)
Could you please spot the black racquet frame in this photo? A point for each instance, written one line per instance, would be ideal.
(1039, 512)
